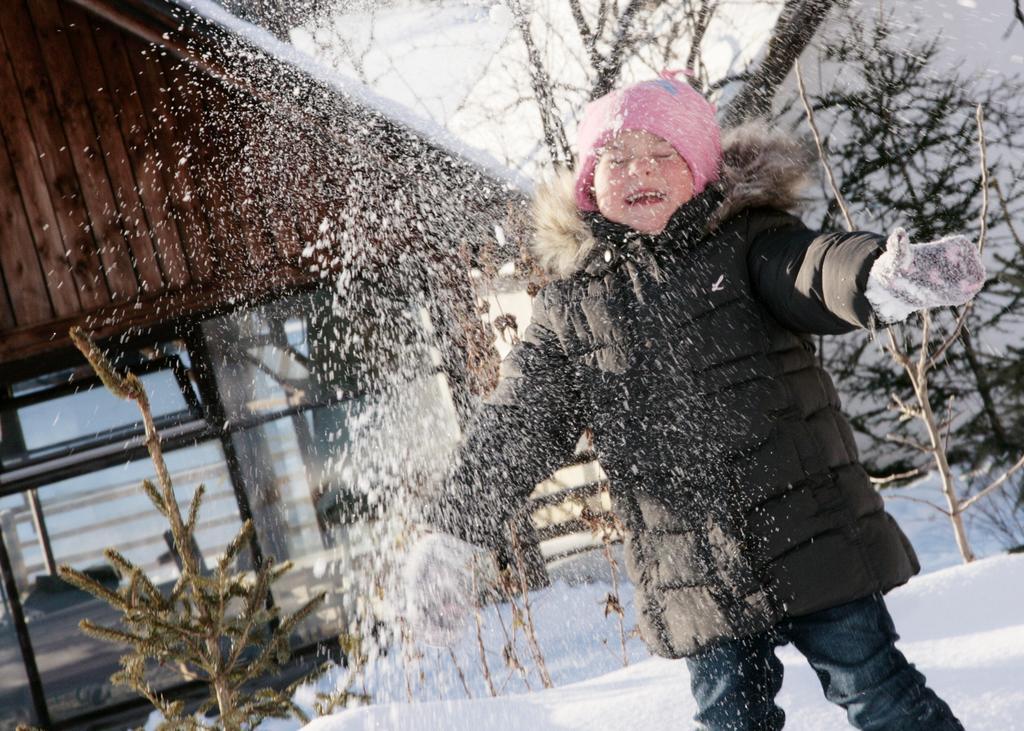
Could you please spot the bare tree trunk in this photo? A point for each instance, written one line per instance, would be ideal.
(796, 26)
(611, 65)
(938, 449)
(554, 131)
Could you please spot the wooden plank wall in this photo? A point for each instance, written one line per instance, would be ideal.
(122, 182)
(136, 187)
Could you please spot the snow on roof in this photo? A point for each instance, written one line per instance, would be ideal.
(362, 95)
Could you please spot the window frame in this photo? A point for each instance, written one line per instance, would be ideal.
(209, 421)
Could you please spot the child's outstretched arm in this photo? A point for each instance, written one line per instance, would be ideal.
(833, 283)
(526, 429)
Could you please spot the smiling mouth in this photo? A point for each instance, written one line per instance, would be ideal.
(645, 198)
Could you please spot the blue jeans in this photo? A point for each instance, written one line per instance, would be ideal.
(851, 648)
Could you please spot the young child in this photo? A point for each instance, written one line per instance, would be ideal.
(677, 328)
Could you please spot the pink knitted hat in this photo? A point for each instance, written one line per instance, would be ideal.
(666, 107)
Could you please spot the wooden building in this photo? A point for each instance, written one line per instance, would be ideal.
(182, 188)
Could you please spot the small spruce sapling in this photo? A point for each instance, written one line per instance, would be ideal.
(214, 626)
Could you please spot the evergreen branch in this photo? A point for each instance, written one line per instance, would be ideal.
(302, 613)
(241, 539)
(110, 634)
(908, 442)
(257, 595)
(127, 387)
(251, 616)
(193, 509)
(88, 584)
(197, 629)
(951, 338)
(1006, 214)
(154, 497)
(122, 564)
(314, 674)
(156, 598)
(280, 570)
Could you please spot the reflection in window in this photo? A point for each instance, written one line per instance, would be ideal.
(310, 421)
(41, 419)
(330, 383)
(15, 698)
(85, 515)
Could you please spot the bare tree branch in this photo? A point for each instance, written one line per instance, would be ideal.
(821, 149)
(610, 67)
(929, 503)
(995, 484)
(796, 26)
(918, 472)
(707, 11)
(602, 19)
(588, 36)
(554, 132)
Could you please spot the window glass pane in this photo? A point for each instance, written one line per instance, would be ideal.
(312, 474)
(274, 458)
(15, 699)
(83, 516)
(362, 454)
(271, 459)
(72, 420)
(299, 350)
(94, 411)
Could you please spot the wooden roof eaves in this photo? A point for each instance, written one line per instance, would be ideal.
(201, 42)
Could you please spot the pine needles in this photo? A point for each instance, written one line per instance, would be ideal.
(215, 626)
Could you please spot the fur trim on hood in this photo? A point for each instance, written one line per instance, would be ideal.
(760, 167)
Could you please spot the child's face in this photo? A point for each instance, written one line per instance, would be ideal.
(640, 180)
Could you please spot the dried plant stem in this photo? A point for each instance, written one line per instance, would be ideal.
(458, 669)
(998, 482)
(821, 149)
(480, 639)
(408, 657)
(614, 566)
(511, 656)
(983, 231)
(530, 629)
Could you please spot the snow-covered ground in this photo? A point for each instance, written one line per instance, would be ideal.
(962, 625)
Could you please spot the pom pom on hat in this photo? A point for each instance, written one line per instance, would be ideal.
(666, 107)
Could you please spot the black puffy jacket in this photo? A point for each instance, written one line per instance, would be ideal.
(687, 354)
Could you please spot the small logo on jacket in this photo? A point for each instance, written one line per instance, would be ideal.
(717, 285)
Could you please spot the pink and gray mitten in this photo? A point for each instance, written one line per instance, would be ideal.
(909, 277)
